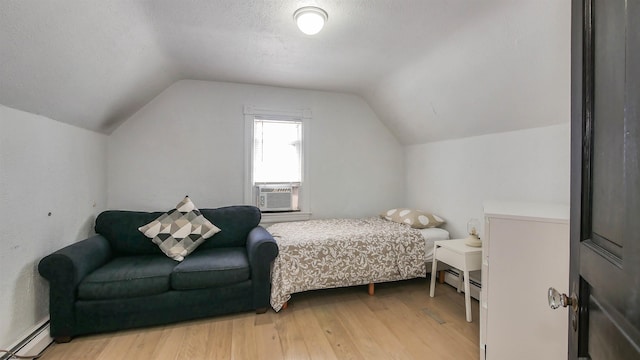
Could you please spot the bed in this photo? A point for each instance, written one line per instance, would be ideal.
(320, 254)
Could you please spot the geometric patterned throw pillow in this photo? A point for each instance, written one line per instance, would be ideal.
(415, 218)
(179, 231)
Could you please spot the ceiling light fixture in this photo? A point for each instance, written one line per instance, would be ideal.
(310, 19)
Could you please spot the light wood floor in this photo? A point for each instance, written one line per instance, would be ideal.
(400, 321)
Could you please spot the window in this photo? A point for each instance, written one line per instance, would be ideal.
(277, 152)
(276, 168)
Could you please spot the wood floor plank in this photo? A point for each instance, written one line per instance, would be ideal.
(400, 321)
(358, 319)
(89, 347)
(267, 339)
(169, 343)
(121, 345)
(316, 342)
(195, 343)
(293, 345)
(219, 341)
(416, 340)
(341, 341)
(146, 343)
(453, 313)
(243, 345)
(449, 343)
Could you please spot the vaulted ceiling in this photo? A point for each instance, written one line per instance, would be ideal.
(430, 69)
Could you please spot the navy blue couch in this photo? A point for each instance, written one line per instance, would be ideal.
(118, 279)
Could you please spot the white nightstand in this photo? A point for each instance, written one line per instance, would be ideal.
(460, 256)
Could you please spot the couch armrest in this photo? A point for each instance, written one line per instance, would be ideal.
(64, 269)
(262, 249)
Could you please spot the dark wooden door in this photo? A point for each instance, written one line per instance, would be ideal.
(605, 180)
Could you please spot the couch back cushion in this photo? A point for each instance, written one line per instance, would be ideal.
(235, 223)
(120, 228)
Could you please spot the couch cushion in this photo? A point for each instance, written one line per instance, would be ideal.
(235, 223)
(210, 268)
(120, 227)
(128, 276)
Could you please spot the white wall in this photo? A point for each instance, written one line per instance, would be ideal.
(190, 140)
(45, 167)
(453, 178)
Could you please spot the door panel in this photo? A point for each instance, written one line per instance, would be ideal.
(607, 340)
(605, 179)
(608, 115)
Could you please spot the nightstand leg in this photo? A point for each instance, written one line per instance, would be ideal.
(434, 266)
(467, 295)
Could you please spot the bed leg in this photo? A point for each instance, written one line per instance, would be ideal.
(371, 289)
(285, 305)
(441, 276)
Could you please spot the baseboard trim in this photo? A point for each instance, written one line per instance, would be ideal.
(32, 342)
(451, 277)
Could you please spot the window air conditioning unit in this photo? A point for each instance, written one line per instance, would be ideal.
(277, 197)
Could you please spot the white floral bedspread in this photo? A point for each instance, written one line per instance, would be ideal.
(320, 254)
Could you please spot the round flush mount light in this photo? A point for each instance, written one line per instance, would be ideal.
(310, 19)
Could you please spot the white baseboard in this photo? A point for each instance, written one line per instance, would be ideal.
(451, 278)
(33, 341)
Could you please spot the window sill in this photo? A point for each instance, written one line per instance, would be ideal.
(272, 218)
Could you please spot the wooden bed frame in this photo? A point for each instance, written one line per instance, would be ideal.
(371, 288)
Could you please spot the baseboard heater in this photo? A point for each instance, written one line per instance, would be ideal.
(451, 277)
(32, 343)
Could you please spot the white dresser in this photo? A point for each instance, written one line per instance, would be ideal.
(525, 251)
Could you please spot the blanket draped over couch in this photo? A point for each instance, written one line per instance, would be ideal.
(119, 279)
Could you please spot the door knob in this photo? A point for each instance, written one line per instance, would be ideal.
(556, 299)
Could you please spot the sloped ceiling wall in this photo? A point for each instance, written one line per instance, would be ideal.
(430, 69)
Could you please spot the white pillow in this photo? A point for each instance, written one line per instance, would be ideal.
(415, 218)
(180, 231)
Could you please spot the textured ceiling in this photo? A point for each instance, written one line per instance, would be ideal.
(431, 69)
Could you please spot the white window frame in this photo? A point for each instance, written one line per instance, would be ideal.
(252, 112)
